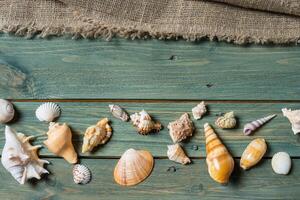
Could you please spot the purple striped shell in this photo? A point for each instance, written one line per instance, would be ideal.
(252, 126)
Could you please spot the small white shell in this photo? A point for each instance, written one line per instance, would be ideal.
(199, 110)
(81, 174)
(7, 111)
(177, 154)
(47, 112)
(281, 163)
(118, 112)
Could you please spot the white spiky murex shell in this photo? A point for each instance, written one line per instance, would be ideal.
(47, 112)
(133, 167)
(294, 118)
(7, 111)
(81, 174)
(20, 158)
(199, 110)
(118, 112)
(252, 126)
(176, 154)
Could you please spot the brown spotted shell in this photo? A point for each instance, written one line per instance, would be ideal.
(81, 174)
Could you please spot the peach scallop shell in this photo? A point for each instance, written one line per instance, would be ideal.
(20, 158)
(133, 167)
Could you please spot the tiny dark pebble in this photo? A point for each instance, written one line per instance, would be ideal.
(171, 169)
(209, 85)
(195, 147)
(173, 57)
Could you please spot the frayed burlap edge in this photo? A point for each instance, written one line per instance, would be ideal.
(100, 30)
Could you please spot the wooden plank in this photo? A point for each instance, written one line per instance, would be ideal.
(80, 115)
(188, 182)
(122, 69)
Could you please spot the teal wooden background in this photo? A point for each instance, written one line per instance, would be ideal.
(167, 78)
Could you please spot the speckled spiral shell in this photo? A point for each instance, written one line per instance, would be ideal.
(118, 112)
(176, 154)
(81, 174)
(47, 112)
(227, 121)
(219, 161)
(7, 111)
(199, 110)
(252, 126)
(144, 123)
(253, 153)
(181, 128)
(133, 167)
(294, 118)
(96, 135)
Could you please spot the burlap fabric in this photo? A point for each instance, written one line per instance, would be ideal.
(239, 21)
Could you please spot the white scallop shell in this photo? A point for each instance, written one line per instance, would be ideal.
(47, 112)
(281, 163)
(7, 111)
(81, 174)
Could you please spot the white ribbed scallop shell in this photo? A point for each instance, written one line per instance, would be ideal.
(47, 112)
(81, 174)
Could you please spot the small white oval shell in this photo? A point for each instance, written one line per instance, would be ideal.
(7, 111)
(81, 174)
(47, 112)
(281, 163)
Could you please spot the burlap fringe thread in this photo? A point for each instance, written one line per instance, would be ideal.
(95, 30)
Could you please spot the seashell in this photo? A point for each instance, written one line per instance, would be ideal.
(219, 161)
(294, 117)
(199, 110)
(81, 174)
(176, 153)
(20, 158)
(144, 124)
(59, 142)
(47, 112)
(281, 163)
(96, 134)
(253, 153)
(118, 112)
(227, 121)
(133, 167)
(7, 111)
(252, 126)
(181, 128)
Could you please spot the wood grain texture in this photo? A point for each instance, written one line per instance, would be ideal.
(122, 69)
(188, 182)
(80, 115)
